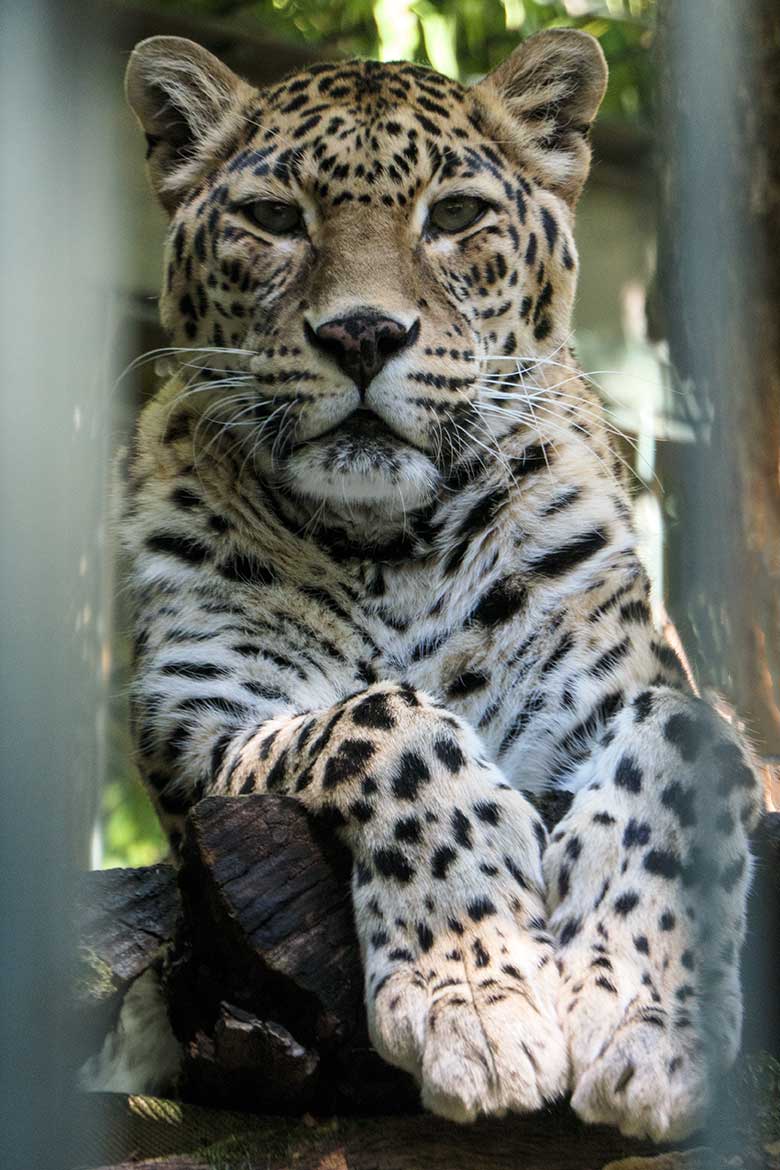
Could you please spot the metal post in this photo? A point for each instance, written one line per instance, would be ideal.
(725, 349)
(56, 257)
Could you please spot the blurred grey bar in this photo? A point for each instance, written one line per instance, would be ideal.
(719, 264)
(56, 250)
(720, 289)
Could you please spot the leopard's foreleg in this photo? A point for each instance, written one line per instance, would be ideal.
(461, 982)
(647, 880)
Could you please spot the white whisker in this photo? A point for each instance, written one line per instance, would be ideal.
(168, 350)
(588, 411)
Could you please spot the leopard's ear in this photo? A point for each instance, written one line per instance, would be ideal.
(188, 103)
(552, 86)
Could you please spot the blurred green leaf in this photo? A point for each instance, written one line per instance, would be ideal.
(131, 831)
(465, 38)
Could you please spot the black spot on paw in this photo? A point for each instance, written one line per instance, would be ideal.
(184, 497)
(569, 930)
(449, 753)
(686, 734)
(391, 863)
(362, 811)
(480, 908)
(442, 859)
(732, 770)
(461, 827)
(411, 775)
(636, 833)
(516, 873)
(424, 936)
(408, 829)
(550, 226)
(374, 711)
(688, 961)
(481, 956)
(488, 811)
(347, 762)
(628, 775)
(540, 832)
(643, 706)
(681, 801)
(401, 955)
(573, 848)
(731, 874)
(663, 863)
(626, 902)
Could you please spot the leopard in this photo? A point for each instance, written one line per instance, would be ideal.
(382, 561)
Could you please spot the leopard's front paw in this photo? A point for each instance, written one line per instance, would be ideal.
(637, 1055)
(647, 1081)
(475, 1022)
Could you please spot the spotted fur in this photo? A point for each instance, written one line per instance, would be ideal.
(383, 561)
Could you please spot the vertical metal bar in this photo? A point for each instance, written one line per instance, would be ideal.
(55, 257)
(701, 73)
(713, 270)
(720, 231)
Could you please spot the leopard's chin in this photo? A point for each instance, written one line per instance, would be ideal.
(355, 464)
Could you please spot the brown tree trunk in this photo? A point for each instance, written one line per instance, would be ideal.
(719, 270)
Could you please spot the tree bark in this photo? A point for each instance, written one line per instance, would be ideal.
(719, 270)
(125, 917)
(264, 981)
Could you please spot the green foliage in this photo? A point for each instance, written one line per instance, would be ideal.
(131, 831)
(464, 38)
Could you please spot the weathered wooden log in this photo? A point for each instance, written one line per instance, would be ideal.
(246, 1061)
(126, 917)
(275, 899)
(266, 935)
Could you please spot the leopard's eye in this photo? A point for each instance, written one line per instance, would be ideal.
(456, 213)
(280, 219)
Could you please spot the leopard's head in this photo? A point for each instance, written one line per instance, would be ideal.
(357, 254)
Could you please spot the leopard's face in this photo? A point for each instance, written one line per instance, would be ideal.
(373, 246)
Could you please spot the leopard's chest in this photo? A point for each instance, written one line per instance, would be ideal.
(462, 663)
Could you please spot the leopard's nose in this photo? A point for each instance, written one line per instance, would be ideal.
(362, 343)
